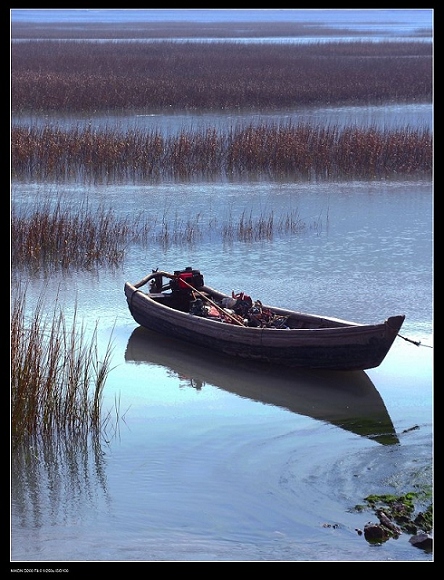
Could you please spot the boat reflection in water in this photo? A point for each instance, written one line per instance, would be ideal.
(347, 399)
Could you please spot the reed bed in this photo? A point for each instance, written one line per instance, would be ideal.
(297, 151)
(90, 76)
(57, 377)
(45, 238)
(248, 227)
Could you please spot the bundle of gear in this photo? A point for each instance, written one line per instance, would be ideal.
(240, 307)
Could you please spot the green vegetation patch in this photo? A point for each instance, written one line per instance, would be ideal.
(401, 512)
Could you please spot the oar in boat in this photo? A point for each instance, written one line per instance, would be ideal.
(202, 295)
(176, 277)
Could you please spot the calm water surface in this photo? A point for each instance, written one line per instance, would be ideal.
(390, 116)
(216, 461)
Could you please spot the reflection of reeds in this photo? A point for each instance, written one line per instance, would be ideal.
(49, 475)
(57, 377)
(299, 151)
(105, 76)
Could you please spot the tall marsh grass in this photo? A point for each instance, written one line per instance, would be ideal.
(57, 375)
(273, 151)
(43, 235)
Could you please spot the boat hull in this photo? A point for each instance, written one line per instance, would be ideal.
(326, 343)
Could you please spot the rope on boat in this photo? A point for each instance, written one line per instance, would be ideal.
(415, 342)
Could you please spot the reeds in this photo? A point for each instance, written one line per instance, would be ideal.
(57, 376)
(81, 76)
(45, 236)
(273, 151)
(248, 227)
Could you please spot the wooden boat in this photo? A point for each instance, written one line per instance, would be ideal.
(346, 399)
(181, 306)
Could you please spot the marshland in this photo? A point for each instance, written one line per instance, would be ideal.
(131, 155)
(264, 152)
(92, 76)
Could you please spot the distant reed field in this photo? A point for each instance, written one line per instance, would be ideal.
(184, 29)
(92, 76)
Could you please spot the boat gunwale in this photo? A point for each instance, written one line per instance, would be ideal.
(340, 325)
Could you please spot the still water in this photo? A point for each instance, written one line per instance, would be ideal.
(388, 117)
(212, 460)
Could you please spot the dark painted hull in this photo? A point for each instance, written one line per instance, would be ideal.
(321, 342)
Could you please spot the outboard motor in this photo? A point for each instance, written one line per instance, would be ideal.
(185, 279)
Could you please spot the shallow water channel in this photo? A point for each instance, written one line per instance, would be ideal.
(212, 460)
(389, 117)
